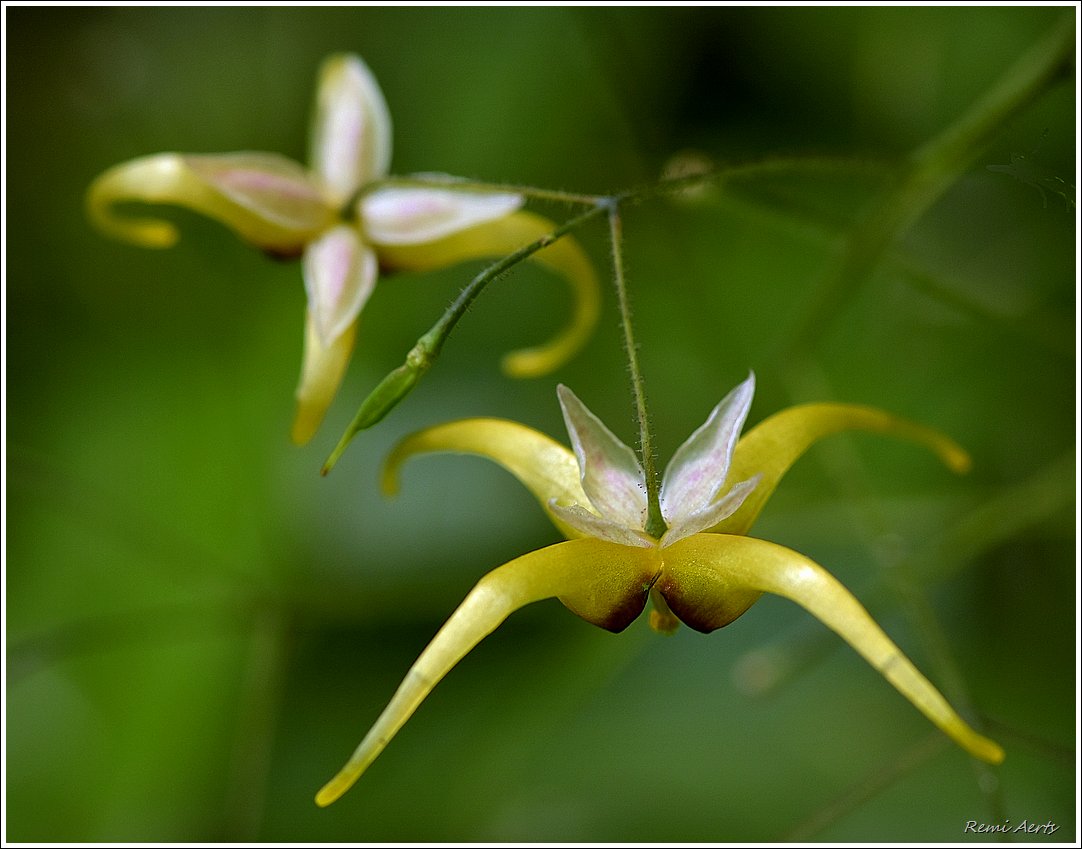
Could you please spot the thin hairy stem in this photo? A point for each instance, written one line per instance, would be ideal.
(665, 186)
(396, 385)
(655, 524)
(433, 340)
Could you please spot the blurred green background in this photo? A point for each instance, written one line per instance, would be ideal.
(200, 628)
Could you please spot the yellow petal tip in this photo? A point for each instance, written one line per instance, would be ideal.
(334, 789)
(957, 460)
(327, 796)
(304, 427)
(388, 481)
(532, 362)
(987, 750)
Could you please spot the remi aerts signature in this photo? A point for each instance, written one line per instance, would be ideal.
(1006, 827)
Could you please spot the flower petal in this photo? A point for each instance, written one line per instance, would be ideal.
(773, 445)
(612, 478)
(702, 574)
(339, 276)
(503, 236)
(351, 130)
(267, 200)
(697, 471)
(605, 584)
(712, 514)
(415, 215)
(545, 467)
(591, 525)
(321, 374)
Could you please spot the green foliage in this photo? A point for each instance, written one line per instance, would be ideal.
(199, 626)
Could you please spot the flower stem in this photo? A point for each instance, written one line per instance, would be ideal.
(655, 523)
(400, 382)
(660, 188)
(442, 328)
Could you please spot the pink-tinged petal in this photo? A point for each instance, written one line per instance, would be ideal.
(591, 525)
(545, 467)
(498, 238)
(267, 200)
(412, 215)
(339, 276)
(612, 477)
(712, 514)
(603, 583)
(351, 130)
(698, 469)
(708, 577)
(321, 374)
(773, 445)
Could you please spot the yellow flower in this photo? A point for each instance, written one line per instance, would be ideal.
(702, 570)
(345, 225)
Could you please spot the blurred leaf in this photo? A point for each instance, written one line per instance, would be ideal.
(199, 626)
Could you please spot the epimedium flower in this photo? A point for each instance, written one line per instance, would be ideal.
(700, 568)
(346, 222)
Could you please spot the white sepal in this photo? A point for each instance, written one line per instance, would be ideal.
(592, 525)
(351, 130)
(415, 215)
(612, 477)
(713, 513)
(697, 471)
(339, 275)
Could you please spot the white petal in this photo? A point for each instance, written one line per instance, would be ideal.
(592, 525)
(351, 131)
(697, 470)
(612, 478)
(413, 215)
(339, 275)
(710, 515)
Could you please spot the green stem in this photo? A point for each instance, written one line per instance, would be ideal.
(655, 523)
(936, 164)
(442, 328)
(928, 172)
(765, 166)
(398, 384)
(665, 186)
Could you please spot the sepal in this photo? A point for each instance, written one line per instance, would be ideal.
(339, 276)
(699, 468)
(417, 215)
(612, 476)
(351, 129)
